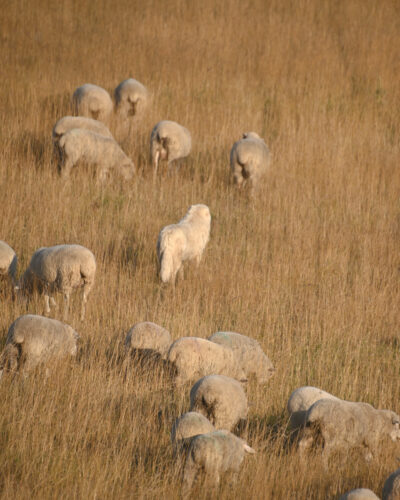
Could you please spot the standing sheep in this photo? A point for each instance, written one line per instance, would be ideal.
(248, 353)
(169, 141)
(183, 241)
(8, 262)
(249, 160)
(221, 399)
(391, 488)
(359, 494)
(300, 401)
(213, 454)
(195, 357)
(130, 98)
(92, 101)
(61, 268)
(341, 425)
(186, 426)
(148, 337)
(32, 340)
(79, 145)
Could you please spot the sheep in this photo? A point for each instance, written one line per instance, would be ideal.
(359, 494)
(8, 263)
(130, 98)
(186, 426)
(195, 357)
(169, 141)
(213, 454)
(300, 401)
(92, 101)
(249, 160)
(248, 353)
(80, 145)
(342, 424)
(183, 241)
(221, 399)
(60, 268)
(391, 488)
(32, 340)
(147, 337)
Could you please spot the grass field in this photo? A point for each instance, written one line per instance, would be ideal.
(310, 267)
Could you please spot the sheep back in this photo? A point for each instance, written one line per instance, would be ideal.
(148, 336)
(301, 400)
(40, 339)
(248, 352)
(8, 260)
(195, 357)
(221, 399)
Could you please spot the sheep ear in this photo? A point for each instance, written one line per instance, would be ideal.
(248, 449)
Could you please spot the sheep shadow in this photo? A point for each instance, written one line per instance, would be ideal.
(269, 429)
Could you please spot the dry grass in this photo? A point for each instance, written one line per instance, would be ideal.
(310, 268)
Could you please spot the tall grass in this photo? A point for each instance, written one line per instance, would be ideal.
(310, 268)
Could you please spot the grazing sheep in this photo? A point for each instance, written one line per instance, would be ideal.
(92, 101)
(130, 98)
(61, 268)
(8, 262)
(194, 358)
(359, 494)
(213, 454)
(249, 159)
(300, 401)
(148, 337)
(169, 141)
(80, 145)
(186, 426)
(221, 399)
(248, 353)
(341, 425)
(391, 488)
(32, 340)
(183, 241)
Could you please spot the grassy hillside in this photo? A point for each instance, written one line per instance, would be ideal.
(310, 268)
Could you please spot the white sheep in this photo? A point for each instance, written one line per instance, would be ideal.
(60, 268)
(183, 241)
(359, 494)
(340, 425)
(249, 160)
(169, 141)
(32, 340)
(213, 454)
(195, 357)
(391, 488)
(248, 353)
(221, 399)
(186, 426)
(301, 400)
(148, 337)
(92, 101)
(131, 98)
(84, 146)
(8, 263)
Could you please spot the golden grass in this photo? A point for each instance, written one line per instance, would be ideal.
(310, 268)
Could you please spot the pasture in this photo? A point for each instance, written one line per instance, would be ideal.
(309, 267)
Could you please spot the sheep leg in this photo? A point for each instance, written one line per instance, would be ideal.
(46, 303)
(66, 305)
(86, 290)
(65, 168)
(181, 273)
(189, 475)
(155, 163)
